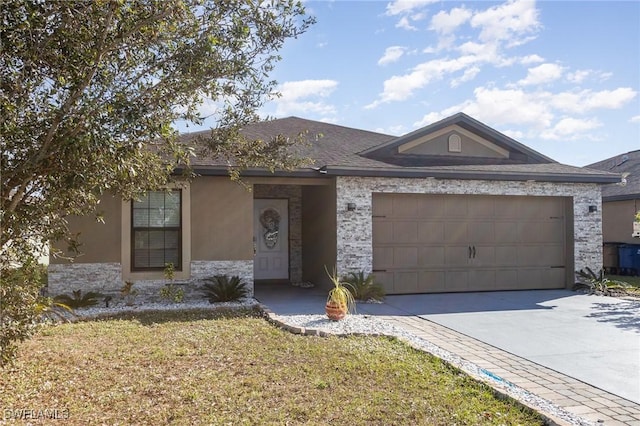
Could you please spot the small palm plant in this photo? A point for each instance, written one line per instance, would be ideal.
(340, 301)
(53, 310)
(221, 288)
(599, 284)
(365, 287)
(77, 299)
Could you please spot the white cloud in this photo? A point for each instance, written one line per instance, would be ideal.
(635, 119)
(405, 24)
(580, 76)
(588, 100)
(509, 24)
(542, 74)
(445, 23)
(513, 22)
(392, 54)
(399, 7)
(401, 87)
(571, 129)
(531, 59)
(552, 116)
(409, 11)
(468, 75)
(305, 97)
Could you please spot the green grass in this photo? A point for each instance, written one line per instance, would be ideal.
(192, 368)
(633, 280)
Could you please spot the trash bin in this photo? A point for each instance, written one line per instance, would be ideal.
(629, 259)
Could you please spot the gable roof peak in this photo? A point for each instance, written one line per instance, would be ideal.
(467, 123)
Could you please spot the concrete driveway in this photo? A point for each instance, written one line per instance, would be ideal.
(594, 339)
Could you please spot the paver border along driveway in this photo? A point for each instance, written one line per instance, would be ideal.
(595, 339)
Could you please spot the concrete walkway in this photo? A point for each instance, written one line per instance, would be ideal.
(579, 352)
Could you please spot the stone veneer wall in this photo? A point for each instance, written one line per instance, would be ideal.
(354, 228)
(100, 277)
(294, 194)
(106, 278)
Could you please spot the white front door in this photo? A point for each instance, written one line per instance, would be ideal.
(271, 239)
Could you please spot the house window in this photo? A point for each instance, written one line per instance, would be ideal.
(156, 230)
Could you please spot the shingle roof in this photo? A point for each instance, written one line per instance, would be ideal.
(629, 164)
(338, 150)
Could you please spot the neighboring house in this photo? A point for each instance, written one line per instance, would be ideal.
(620, 202)
(454, 206)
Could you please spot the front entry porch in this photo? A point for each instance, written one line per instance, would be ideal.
(294, 232)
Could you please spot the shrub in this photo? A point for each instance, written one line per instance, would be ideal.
(172, 293)
(221, 288)
(598, 284)
(20, 306)
(78, 300)
(364, 287)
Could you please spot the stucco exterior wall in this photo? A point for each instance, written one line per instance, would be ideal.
(100, 242)
(354, 228)
(221, 220)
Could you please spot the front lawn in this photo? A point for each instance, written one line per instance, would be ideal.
(191, 368)
(634, 280)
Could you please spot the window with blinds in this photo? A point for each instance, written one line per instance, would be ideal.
(156, 232)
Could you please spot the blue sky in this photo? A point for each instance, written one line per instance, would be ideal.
(562, 77)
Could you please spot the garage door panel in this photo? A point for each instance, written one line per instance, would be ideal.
(482, 279)
(383, 232)
(386, 279)
(431, 257)
(506, 279)
(382, 205)
(538, 255)
(506, 232)
(405, 232)
(405, 205)
(432, 207)
(482, 232)
(455, 232)
(505, 208)
(456, 255)
(432, 281)
(506, 255)
(483, 256)
(457, 280)
(431, 232)
(382, 257)
(405, 257)
(456, 206)
(480, 208)
(406, 282)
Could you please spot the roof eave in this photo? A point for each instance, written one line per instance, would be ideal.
(224, 171)
(474, 175)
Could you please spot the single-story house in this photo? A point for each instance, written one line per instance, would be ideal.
(620, 203)
(454, 206)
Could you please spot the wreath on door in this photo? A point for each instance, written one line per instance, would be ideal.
(270, 221)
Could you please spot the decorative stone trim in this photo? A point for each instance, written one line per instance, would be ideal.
(98, 277)
(201, 269)
(106, 278)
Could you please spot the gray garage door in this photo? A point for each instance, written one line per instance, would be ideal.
(452, 243)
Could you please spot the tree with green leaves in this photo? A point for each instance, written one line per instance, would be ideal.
(90, 92)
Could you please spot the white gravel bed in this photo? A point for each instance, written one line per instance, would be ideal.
(365, 324)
